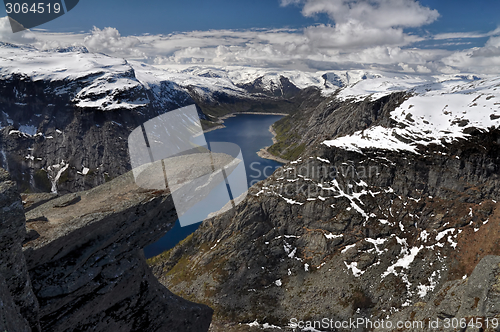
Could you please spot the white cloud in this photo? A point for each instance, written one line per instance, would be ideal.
(362, 23)
(383, 14)
(423, 69)
(289, 2)
(478, 60)
(109, 40)
(352, 36)
(344, 45)
(465, 35)
(485, 60)
(6, 34)
(493, 42)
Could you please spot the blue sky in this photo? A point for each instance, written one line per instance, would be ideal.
(134, 17)
(423, 37)
(464, 15)
(163, 17)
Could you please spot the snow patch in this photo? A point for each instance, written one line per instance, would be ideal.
(333, 236)
(435, 114)
(354, 268)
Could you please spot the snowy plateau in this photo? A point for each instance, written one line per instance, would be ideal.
(106, 78)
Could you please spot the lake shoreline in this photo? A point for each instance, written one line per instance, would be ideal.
(220, 121)
(232, 115)
(251, 133)
(265, 154)
(221, 126)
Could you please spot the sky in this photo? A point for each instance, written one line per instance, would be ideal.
(420, 37)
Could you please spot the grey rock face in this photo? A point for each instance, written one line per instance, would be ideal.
(19, 309)
(472, 303)
(341, 234)
(10, 316)
(319, 118)
(60, 133)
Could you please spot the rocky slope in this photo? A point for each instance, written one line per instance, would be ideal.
(65, 117)
(471, 304)
(394, 199)
(321, 118)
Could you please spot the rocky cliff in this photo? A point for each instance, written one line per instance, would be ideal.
(469, 304)
(319, 118)
(373, 220)
(88, 269)
(80, 266)
(19, 306)
(64, 128)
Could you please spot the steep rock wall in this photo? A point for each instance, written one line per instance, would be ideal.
(19, 309)
(88, 269)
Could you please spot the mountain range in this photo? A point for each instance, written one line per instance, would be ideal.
(386, 210)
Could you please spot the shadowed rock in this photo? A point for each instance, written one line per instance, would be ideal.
(19, 309)
(88, 269)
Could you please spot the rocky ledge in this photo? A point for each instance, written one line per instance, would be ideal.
(84, 255)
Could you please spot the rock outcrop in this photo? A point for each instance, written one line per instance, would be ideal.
(471, 304)
(80, 266)
(319, 118)
(19, 306)
(87, 265)
(49, 143)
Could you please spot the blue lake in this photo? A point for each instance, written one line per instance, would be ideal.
(251, 133)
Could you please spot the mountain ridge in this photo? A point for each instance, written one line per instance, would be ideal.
(342, 229)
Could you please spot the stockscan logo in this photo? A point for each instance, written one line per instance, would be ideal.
(29, 14)
(204, 178)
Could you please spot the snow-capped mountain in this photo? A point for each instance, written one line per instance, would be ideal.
(108, 83)
(89, 80)
(432, 114)
(68, 111)
(65, 115)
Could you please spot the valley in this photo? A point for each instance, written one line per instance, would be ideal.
(386, 207)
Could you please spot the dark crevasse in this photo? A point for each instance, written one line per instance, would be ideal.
(251, 133)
